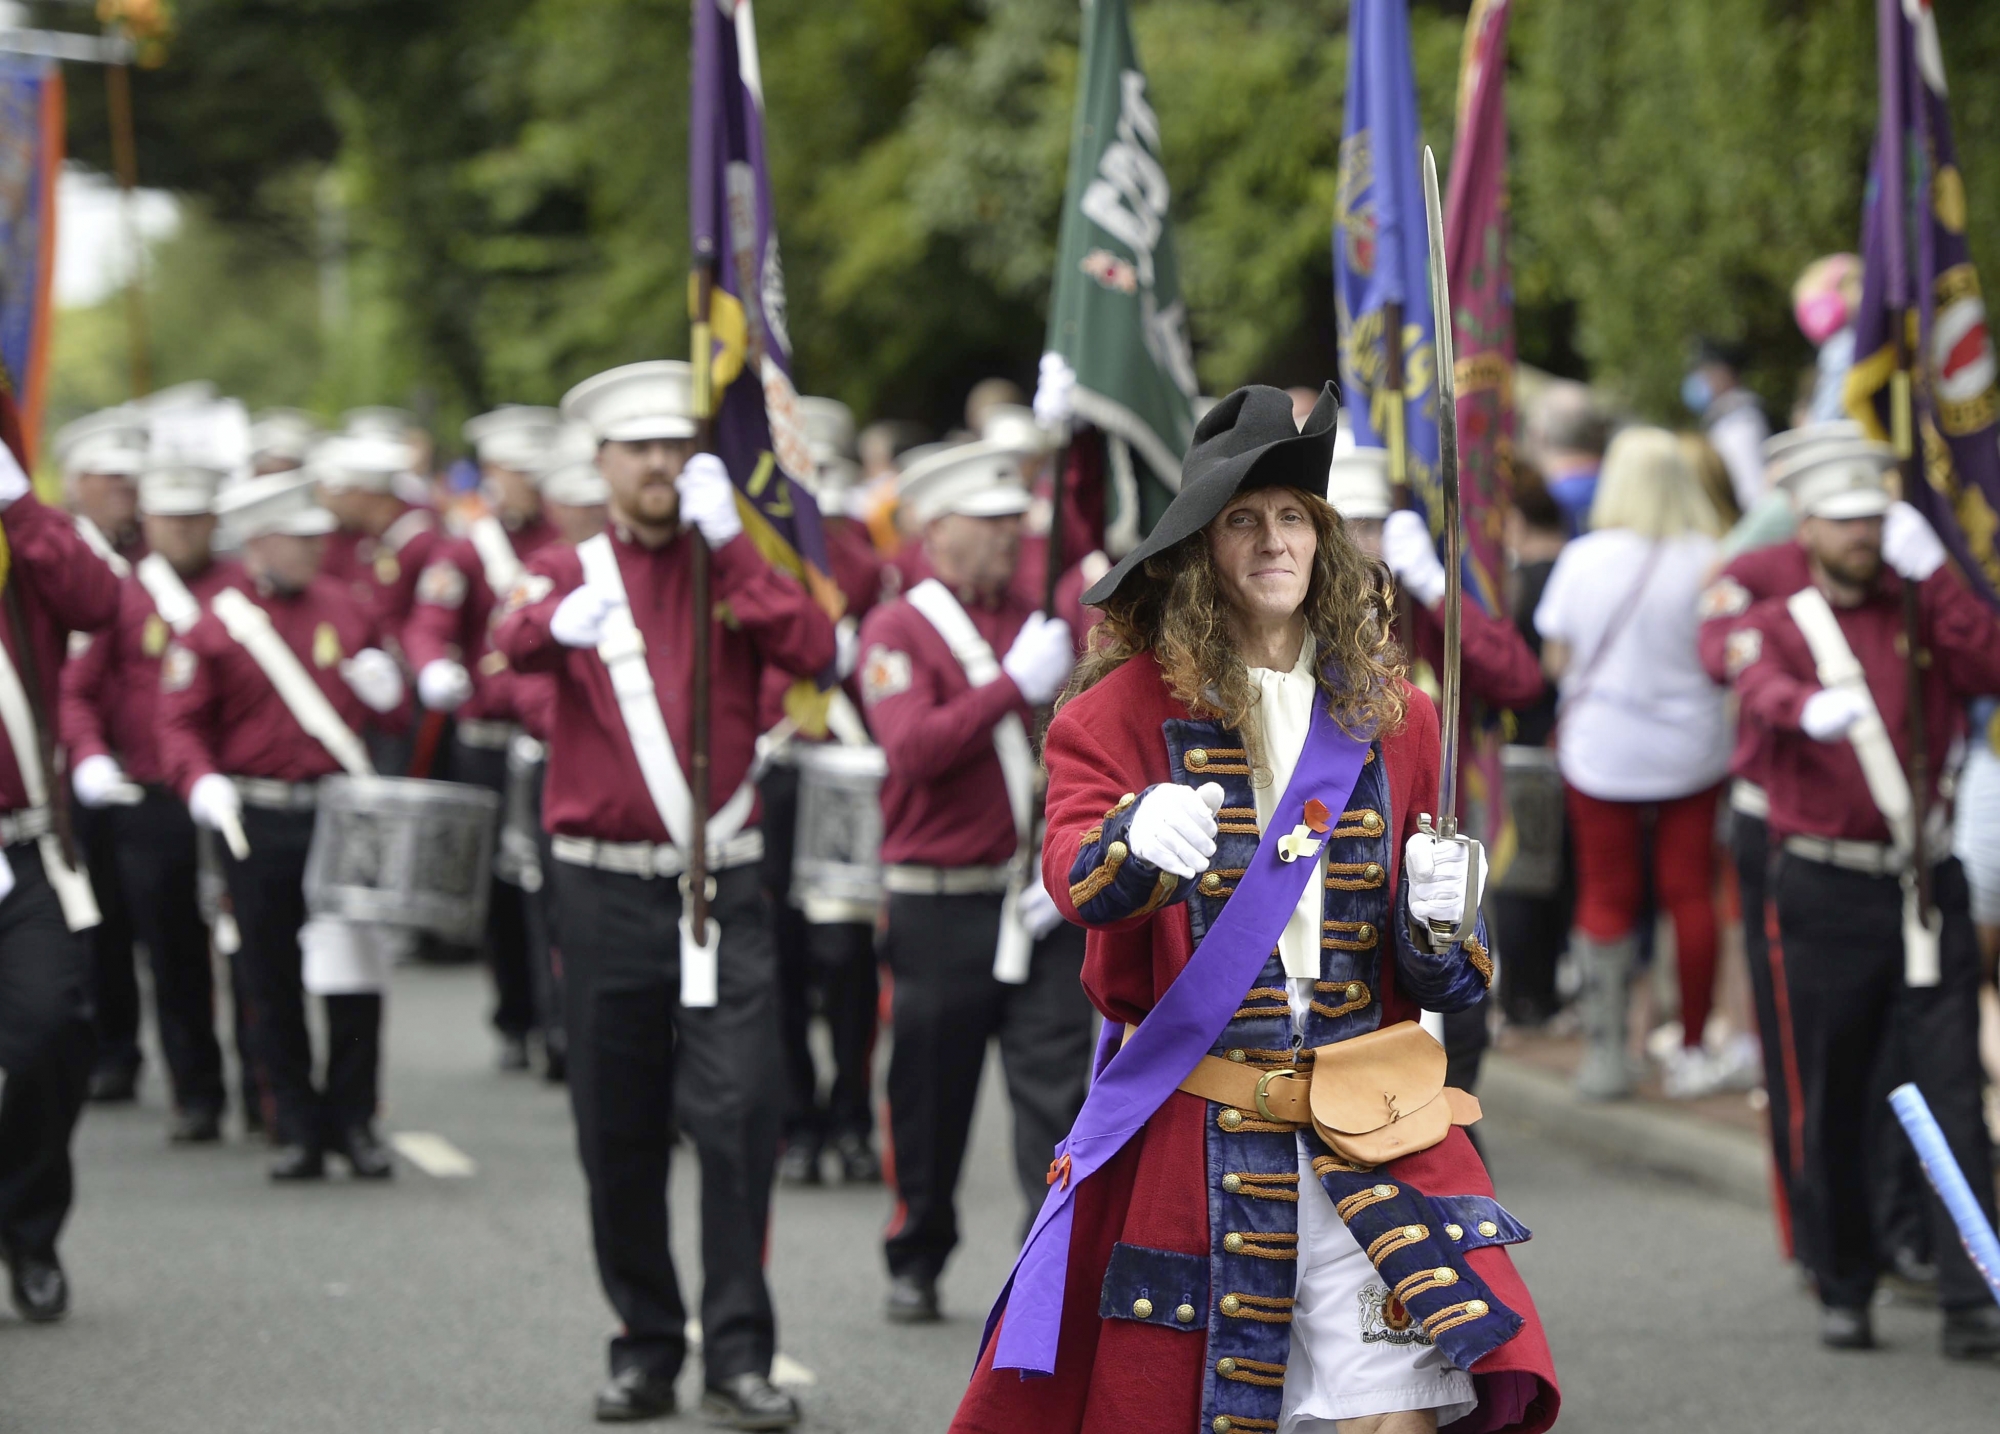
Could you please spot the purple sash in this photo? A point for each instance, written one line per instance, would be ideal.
(1174, 1036)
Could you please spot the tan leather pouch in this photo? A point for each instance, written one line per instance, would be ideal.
(1380, 1096)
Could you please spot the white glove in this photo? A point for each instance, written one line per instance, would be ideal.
(374, 677)
(846, 647)
(1055, 392)
(578, 620)
(1040, 659)
(13, 482)
(1038, 910)
(98, 780)
(444, 685)
(1829, 712)
(214, 803)
(708, 499)
(1174, 828)
(1910, 544)
(1436, 872)
(1407, 549)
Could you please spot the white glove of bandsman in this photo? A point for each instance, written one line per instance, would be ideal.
(1830, 712)
(708, 500)
(373, 676)
(1910, 544)
(1041, 658)
(214, 802)
(578, 620)
(444, 685)
(1412, 557)
(1173, 828)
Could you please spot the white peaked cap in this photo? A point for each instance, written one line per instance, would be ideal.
(514, 435)
(179, 487)
(287, 433)
(193, 394)
(1838, 479)
(1009, 425)
(829, 427)
(1357, 483)
(276, 503)
(974, 480)
(112, 440)
(567, 471)
(365, 463)
(1781, 446)
(636, 402)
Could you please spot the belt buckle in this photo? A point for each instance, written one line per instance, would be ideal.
(1263, 1090)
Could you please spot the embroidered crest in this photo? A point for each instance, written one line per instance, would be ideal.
(177, 671)
(153, 637)
(493, 664)
(442, 585)
(79, 644)
(326, 645)
(528, 589)
(387, 569)
(1725, 597)
(1385, 1319)
(884, 673)
(1744, 647)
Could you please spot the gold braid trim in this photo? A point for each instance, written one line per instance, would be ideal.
(1324, 1165)
(1103, 876)
(1354, 1204)
(1452, 1316)
(1481, 962)
(1162, 889)
(1400, 1238)
(1265, 1309)
(1346, 1007)
(1424, 1281)
(1253, 1186)
(1252, 1371)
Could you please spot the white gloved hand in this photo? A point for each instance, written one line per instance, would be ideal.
(1412, 557)
(1436, 875)
(1829, 712)
(97, 780)
(1041, 658)
(578, 620)
(1055, 392)
(1910, 544)
(373, 676)
(214, 803)
(1039, 913)
(1174, 828)
(846, 647)
(13, 482)
(708, 499)
(444, 685)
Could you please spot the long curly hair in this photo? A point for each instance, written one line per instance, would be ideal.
(1173, 607)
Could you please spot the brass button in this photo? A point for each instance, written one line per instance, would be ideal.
(1457, 1232)
(1225, 1366)
(1488, 1229)
(1445, 1275)
(1230, 1119)
(1117, 851)
(1365, 934)
(1238, 1056)
(1142, 1308)
(1371, 822)
(1233, 1243)
(1231, 1304)
(1184, 1313)
(1385, 1192)
(1414, 1232)
(1356, 991)
(1210, 883)
(1232, 1183)
(1126, 801)
(1475, 1307)
(1372, 874)
(1196, 758)
(1223, 1424)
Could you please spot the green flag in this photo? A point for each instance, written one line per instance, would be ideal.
(1116, 316)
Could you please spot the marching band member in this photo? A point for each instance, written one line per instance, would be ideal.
(110, 724)
(449, 642)
(1264, 1219)
(1824, 672)
(666, 1029)
(382, 542)
(950, 675)
(281, 439)
(60, 587)
(259, 700)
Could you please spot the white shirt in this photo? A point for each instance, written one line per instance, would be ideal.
(1643, 722)
(1283, 716)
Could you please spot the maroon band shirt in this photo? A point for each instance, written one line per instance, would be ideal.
(382, 572)
(761, 616)
(454, 615)
(1777, 571)
(858, 573)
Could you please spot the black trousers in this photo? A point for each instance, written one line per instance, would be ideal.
(115, 977)
(267, 891)
(643, 1068)
(46, 1047)
(1770, 995)
(1842, 955)
(946, 1006)
(826, 969)
(515, 1012)
(156, 867)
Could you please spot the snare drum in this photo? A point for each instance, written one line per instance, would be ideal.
(403, 852)
(837, 860)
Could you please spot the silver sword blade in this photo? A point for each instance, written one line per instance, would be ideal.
(1447, 422)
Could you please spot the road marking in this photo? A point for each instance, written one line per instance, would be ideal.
(784, 1369)
(433, 1154)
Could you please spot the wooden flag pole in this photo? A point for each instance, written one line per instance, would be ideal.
(704, 407)
(1909, 469)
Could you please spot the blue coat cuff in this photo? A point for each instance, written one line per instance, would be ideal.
(1108, 884)
(1453, 979)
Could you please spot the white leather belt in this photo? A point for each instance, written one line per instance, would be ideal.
(486, 736)
(649, 859)
(1749, 799)
(24, 825)
(945, 880)
(277, 796)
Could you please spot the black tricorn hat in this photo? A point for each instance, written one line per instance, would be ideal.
(1248, 440)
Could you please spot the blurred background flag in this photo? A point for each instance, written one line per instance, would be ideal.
(1916, 264)
(31, 153)
(1116, 314)
(757, 431)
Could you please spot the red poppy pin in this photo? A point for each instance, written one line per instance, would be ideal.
(1317, 816)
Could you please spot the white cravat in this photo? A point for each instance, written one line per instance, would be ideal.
(1283, 717)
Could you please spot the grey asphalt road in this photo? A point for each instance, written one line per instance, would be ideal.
(207, 1302)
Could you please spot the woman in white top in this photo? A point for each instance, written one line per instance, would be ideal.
(1642, 734)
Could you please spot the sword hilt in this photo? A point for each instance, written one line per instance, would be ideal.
(1445, 829)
